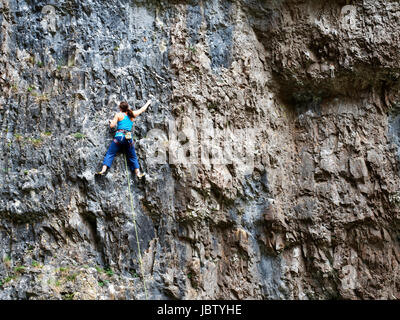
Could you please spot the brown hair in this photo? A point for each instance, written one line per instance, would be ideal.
(125, 108)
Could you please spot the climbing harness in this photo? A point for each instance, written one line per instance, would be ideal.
(136, 231)
(127, 134)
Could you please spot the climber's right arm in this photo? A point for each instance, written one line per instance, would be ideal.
(114, 121)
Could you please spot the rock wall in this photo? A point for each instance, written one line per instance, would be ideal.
(272, 149)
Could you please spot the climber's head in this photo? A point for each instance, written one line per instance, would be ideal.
(124, 107)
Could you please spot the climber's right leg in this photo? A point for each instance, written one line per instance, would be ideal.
(133, 159)
(110, 155)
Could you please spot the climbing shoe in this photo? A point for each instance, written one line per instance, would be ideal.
(140, 175)
(99, 173)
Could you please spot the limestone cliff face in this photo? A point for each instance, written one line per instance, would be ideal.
(272, 148)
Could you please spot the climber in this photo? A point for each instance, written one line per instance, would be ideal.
(123, 138)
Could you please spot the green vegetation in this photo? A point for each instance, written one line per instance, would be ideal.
(60, 64)
(9, 278)
(62, 269)
(109, 272)
(36, 141)
(36, 264)
(47, 133)
(18, 136)
(20, 269)
(6, 280)
(40, 64)
(72, 277)
(98, 269)
(191, 48)
(68, 296)
(31, 88)
(79, 135)
(102, 282)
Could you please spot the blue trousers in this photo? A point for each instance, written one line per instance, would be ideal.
(120, 143)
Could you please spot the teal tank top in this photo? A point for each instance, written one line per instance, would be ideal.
(125, 124)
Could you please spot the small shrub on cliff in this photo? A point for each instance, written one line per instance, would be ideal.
(36, 264)
(18, 136)
(36, 141)
(6, 280)
(68, 296)
(102, 283)
(109, 272)
(19, 269)
(72, 277)
(98, 269)
(79, 135)
(62, 269)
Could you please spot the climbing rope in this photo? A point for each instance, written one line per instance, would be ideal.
(136, 231)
